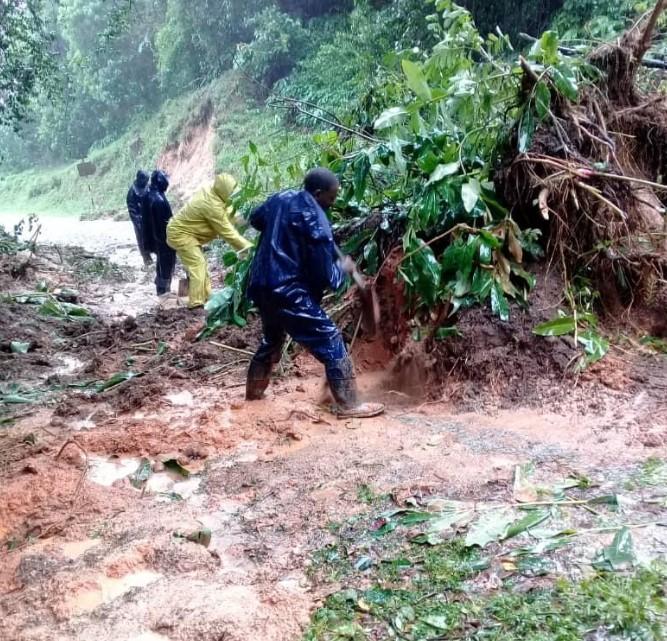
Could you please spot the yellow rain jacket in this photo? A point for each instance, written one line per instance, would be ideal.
(207, 216)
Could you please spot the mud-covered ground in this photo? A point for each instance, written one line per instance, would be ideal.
(107, 491)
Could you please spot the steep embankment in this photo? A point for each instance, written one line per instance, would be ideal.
(191, 137)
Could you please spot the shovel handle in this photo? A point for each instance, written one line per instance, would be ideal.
(357, 277)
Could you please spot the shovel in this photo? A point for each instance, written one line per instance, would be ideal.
(183, 287)
(370, 308)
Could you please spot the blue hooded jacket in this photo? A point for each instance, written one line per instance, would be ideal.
(158, 209)
(296, 253)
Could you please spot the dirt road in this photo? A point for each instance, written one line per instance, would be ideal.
(97, 549)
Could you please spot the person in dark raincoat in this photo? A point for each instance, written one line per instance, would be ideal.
(136, 198)
(158, 215)
(295, 262)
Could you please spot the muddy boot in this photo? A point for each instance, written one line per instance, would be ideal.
(343, 384)
(259, 375)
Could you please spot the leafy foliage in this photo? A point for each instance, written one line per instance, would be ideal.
(26, 63)
(278, 42)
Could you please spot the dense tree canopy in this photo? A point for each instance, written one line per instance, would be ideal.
(113, 61)
(25, 58)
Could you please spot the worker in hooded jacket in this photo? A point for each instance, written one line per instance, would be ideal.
(295, 262)
(206, 217)
(158, 211)
(136, 200)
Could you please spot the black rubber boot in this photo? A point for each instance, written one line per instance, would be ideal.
(343, 384)
(340, 375)
(259, 375)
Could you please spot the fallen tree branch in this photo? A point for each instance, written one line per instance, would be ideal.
(649, 63)
(293, 103)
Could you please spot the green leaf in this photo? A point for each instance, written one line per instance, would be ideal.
(442, 333)
(491, 526)
(362, 168)
(442, 171)
(142, 473)
(390, 117)
(542, 99)
(416, 79)
(620, 555)
(534, 565)
(470, 193)
(423, 272)
(371, 255)
(15, 399)
(526, 130)
(482, 282)
(174, 466)
(116, 379)
(556, 327)
(530, 520)
(499, 304)
(549, 48)
(230, 258)
(595, 346)
(605, 499)
(437, 621)
(451, 514)
(566, 81)
(412, 517)
(18, 347)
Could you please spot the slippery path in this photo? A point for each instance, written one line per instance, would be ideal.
(109, 561)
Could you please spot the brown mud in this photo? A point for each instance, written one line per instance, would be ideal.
(88, 554)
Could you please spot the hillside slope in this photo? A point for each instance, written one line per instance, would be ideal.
(191, 137)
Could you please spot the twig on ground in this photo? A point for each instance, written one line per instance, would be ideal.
(229, 348)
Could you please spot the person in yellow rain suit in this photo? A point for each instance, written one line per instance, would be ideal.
(207, 216)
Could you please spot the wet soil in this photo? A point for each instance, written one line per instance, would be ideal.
(88, 553)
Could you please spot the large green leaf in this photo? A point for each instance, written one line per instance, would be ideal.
(530, 520)
(442, 171)
(423, 273)
(499, 304)
(619, 555)
(526, 130)
(470, 193)
(416, 79)
(491, 526)
(566, 81)
(542, 99)
(595, 345)
(546, 48)
(390, 117)
(556, 327)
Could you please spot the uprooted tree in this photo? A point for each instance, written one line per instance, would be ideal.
(480, 160)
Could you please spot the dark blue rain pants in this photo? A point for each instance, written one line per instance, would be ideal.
(164, 267)
(299, 315)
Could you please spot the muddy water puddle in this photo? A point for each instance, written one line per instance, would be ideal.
(165, 484)
(102, 589)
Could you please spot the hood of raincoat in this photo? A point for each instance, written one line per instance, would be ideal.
(224, 186)
(159, 181)
(141, 179)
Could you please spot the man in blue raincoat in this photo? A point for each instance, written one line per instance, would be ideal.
(295, 261)
(159, 213)
(136, 197)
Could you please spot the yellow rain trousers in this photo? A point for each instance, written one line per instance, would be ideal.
(207, 216)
